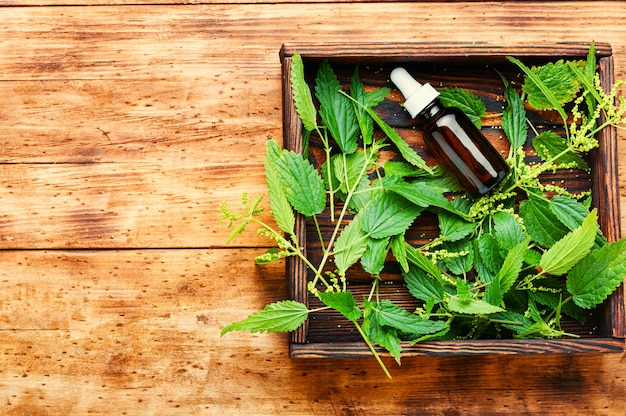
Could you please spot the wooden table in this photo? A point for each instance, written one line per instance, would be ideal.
(124, 127)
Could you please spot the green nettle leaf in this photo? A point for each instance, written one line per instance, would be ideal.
(514, 118)
(283, 316)
(472, 306)
(336, 109)
(350, 245)
(550, 292)
(558, 78)
(507, 230)
(398, 248)
(281, 209)
(541, 224)
(377, 96)
(403, 169)
(388, 215)
(532, 258)
(415, 257)
(596, 276)
(407, 152)
(508, 274)
(515, 321)
(385, 336)
(454, 228)
(357, 91)
(572, 213)
(463, 99)
(463, 260)
(373, 260)
(399, 318)
(569, 211)
(348, 169)
(343, 302)
(463, 290)
(589, 72)
(302, 94)
(367, 100)
(566, 252)
(420, 193)
(549, 145)
(489, 252)
(302, 185)
(423, 286)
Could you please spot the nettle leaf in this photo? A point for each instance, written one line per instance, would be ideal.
(551, 292)
(472, 306)
(569, 211)
(343, 302)
(465, 100)
(541, 224)
(357, 91)
(367, 100)
(548, 145)
(346, 175)
(281, 209)
(453, 228)
(514, 118)
(403, 170)
(415, 257)
(398, 248)
(302, 94)
(516, 322)
(489, 252)
(420, 193)
(405, 150)
(589, 72)
(399, 318)
(508, 274)
(566, 252)
(423, 286)
(556, 76)
(596, 276)
(385, 336)
(463, 260)
(350, 245)
(283, 316)
(373, 260)
(349, 169)
(302, 185)
(507, 230)
(572, 213)
(388, 215)
(336, 109)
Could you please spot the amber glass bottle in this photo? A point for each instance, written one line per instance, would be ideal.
(452, 137)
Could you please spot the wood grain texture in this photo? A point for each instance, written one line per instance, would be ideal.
(123, 129)
(167, 89)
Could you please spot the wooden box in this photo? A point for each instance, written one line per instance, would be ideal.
(471, 66)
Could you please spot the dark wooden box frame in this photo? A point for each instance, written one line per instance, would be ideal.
(611, 328)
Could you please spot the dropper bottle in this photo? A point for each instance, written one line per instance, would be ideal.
(452, 137)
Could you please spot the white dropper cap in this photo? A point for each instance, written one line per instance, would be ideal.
(418, 96)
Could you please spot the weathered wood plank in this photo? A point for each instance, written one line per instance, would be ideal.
(208, 120)
(123, 205)
(189, 41)
(84, 289)
(200, 87)
(84, 332)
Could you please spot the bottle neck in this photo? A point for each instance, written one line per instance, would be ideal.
(431, 110)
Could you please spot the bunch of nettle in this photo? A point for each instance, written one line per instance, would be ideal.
(497, 269)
